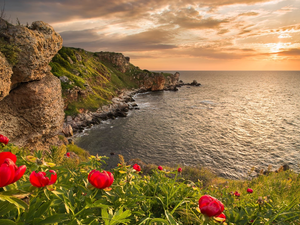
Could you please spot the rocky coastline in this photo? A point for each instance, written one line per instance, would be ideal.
(40, 80)
(118, 108)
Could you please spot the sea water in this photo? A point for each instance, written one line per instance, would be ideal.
(231, 123)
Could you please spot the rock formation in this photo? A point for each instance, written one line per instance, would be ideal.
(5, 75)
(31, 106)
(116, 59)
(157, 81)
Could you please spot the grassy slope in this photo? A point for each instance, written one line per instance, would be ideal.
(102, 77)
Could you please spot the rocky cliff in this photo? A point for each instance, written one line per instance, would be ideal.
(157, 81)
(31, 106)
(118, 60)
(91, 80)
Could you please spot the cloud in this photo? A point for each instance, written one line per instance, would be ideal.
(249, 14)
(290, 52)
(285, 10)
(188, 18)
(223, 31)
(151, 40)
(52, 11)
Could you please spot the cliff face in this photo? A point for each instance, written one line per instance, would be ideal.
(158, 81)
(31, 106)
(116, 59)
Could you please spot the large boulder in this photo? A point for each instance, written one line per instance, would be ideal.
(37, 45)
(31, 105)
(32, 112)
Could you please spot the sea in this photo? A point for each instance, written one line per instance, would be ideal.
(234, 122)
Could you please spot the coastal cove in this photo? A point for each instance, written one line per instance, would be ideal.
(234, 121)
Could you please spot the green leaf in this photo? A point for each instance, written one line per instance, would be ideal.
(6, 207)
(170, 218)
(144, 220)
(7, 222)
(43, 208)
(105, 216)
(17, 202)
(159, 220)
(57, 218)
(120, 217)
(96, 204)
(16, 193)
(34, 205)
(179, 204)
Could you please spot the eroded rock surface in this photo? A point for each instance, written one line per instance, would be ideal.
(37, 44)
(157, 81)
(33, 111)
(5, 77)
(117, 59)
(31, 105)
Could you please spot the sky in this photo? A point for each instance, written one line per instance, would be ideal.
(177, 34)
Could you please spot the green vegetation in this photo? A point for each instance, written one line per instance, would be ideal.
(147, 197)
(97, 81)
(10, 51)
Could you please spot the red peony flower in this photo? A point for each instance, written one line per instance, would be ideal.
(237, 194)
(160, 168)
(40, 180)
(210, 206)
(9, 171)
(179, 170)
(136, 167)
(4, 139)
(68, 154)
(101, 180)
(249, 190)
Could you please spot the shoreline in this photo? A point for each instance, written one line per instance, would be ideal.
(120, 106)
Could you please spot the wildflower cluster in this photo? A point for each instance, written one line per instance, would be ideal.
(40, 192)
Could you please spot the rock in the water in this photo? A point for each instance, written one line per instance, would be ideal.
(68, 131)
(195, 83)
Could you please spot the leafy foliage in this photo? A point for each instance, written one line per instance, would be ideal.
(164, 197)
